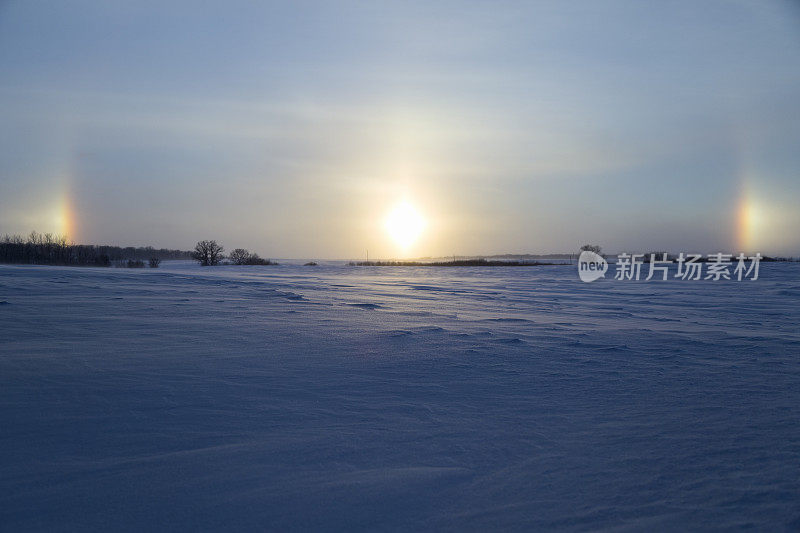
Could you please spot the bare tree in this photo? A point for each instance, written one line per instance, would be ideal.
(239, 256)
(208, 253)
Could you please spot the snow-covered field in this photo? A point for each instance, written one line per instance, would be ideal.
(338, 397)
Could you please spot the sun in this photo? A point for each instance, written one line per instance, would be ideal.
(404, 225)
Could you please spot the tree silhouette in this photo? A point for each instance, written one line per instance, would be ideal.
(239, 256)
(49, 249)
(242, 256)
(208, 253)
(592, 248)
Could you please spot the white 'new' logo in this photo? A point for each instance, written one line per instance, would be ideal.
(591, 266)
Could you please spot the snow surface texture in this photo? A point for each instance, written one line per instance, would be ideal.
(368, 398)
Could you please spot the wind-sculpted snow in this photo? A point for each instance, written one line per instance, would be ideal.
(391, 398)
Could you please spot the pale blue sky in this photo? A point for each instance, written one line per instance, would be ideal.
(293, 129)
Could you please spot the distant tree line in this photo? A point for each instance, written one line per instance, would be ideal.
(49, 249)
(455, 262)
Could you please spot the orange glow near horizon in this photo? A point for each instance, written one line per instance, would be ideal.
(744, 225)
(755, 227)
(65, 218)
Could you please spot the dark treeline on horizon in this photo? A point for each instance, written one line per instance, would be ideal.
(455, 262)
(49, 249)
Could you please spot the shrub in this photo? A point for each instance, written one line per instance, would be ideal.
(255, 260)
(241, 256)
(591, 248)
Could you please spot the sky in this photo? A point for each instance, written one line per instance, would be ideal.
(296, 129)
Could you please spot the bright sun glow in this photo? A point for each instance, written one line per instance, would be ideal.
(404, 224)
